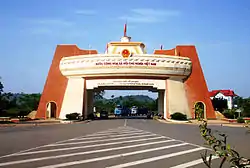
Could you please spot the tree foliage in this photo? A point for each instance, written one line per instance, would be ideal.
(109, 104)
(21, 104)
(98, 94)
(1, 87)
(221, 148)
(219, 104)
(244, 104)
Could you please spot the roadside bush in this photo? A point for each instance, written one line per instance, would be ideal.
(73, 116)
(155, 117)
(240, 120)
(230, 114)
(179, 116)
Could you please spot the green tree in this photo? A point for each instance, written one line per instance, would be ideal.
(219, 104)
(244, 104)
(1, 87)
(98, 94)
(99, 104)
(29, 102)
(153, 106)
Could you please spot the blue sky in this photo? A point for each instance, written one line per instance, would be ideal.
(30, 31)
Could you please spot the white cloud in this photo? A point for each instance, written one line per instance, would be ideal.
(148, 15)
(50, 26)
(41, 30)
(52, 22)
(85, 12)
(153, 12)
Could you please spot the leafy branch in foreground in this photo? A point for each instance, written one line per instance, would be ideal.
(221, 149)
(247, 126)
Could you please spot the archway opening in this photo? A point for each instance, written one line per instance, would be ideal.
(200, 110)
(135, 102)
(51, 110)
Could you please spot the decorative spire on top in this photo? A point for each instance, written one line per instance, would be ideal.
(125, 38)
(125, 30)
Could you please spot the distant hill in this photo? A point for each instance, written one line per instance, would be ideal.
(127, 101)
(139, 98)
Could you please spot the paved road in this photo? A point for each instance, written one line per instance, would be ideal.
(109, 143)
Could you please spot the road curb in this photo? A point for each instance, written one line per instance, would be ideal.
(191, 123)
(42, 124)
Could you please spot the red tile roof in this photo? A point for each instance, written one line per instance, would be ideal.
(224, 92)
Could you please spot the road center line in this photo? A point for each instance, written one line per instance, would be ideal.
(125, 123)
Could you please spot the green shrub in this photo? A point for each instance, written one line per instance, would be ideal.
(73, 116)
(240, 120)
(230, 114)
(155, 117)
(179, 116)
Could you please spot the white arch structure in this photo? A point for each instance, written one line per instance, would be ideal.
(112, 69)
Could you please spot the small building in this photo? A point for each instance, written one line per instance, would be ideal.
(224, 94)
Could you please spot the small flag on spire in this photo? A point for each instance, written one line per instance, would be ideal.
(125, 30)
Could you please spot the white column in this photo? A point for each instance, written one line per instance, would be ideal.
(161, 102)
(88, 104)
(177, 100)
(73, 97)
(165, 104)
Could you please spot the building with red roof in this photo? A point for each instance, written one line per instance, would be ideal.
(224, 94)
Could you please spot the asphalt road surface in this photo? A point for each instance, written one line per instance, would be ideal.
(115, 143)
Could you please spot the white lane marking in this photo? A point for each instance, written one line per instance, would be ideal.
(155, 158)
(180, 140)
(88, 152)
(38, 147)
(116, 156)
(192, 163)
(110, 136)
(122, 128)
(125, 123)
(81, 147)
(103, 140)
(118, 130)
(111, 133)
